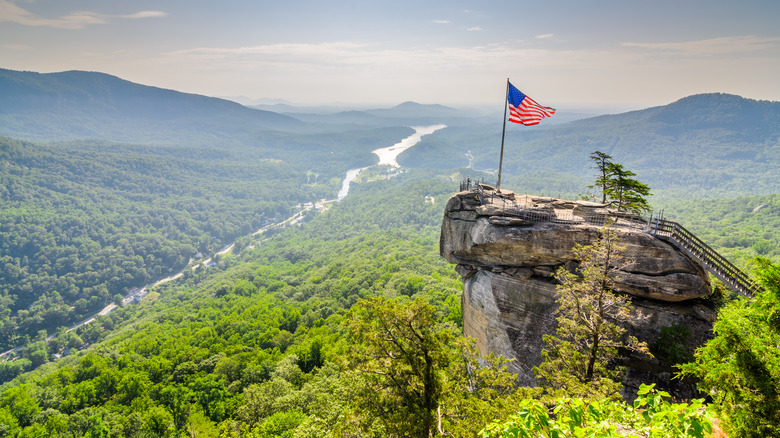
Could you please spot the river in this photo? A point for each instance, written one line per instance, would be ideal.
(351, 175)
(388, 155)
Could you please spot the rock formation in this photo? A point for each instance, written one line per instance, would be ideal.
(507, 248)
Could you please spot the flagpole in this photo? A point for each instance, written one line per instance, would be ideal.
(503, 133)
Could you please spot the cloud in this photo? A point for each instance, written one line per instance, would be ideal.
(711, 47)
(543, 36)
(12, 13)
(294, 52)
(313, 72)
(146, 14)
(294, 56)
(441, 21)
(474, 29)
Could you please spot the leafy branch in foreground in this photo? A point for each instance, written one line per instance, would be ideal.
(740, 367)
(414, 376)
(650, 416)
(398, 354)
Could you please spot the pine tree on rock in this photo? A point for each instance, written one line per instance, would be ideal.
(603, 181)
(617, 186)
(579, 360)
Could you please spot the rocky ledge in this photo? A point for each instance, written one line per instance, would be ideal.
(507, 248)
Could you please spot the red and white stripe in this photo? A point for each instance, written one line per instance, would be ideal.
(529, 112)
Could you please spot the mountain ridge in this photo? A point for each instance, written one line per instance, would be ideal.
(719, 145)
(706, 111)
(74, 102)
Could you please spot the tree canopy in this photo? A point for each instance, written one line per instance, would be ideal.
(617, 186)
(740, 367)
(579, 358)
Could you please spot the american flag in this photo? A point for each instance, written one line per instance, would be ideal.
(524, 110)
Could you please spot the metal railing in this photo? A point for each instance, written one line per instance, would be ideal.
(471, 183)
(670, 231)
(707, 257)
(569, 217)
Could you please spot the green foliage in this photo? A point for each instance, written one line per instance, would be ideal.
(21, 404)
(579, 359)
(740, 229)
(412, 375)
(78, 226)
(82, 222)
(740, 367)
(478, 388)
(603, 181)
(98, 429)
(256, 336)
(397, 354)
(627, 193)
(250, 346)
(280, 424)
(650, 416)
(9, 425)
(617, 186)
(255, 345)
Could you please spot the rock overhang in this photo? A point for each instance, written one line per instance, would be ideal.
(523, 231)
(507, 247)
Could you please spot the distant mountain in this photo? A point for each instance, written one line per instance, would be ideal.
(417, 110)
(713, 111)
(407, 113)
(704, 145)
(80, 104)
(247, 101)
(288, 108)
(698, 127)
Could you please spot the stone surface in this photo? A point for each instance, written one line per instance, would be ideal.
(507, 249)
(490, 235)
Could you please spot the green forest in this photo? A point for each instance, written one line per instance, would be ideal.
(348, 322)
(267, 342)
(82, 222)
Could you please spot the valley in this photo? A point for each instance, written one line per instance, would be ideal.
(386, 157)
(270, 242)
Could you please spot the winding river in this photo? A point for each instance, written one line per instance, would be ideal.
(387, 156)
(351, 175)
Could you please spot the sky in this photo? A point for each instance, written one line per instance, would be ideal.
(627, 54)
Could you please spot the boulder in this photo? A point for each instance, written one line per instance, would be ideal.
(526, 235)
(507, 249)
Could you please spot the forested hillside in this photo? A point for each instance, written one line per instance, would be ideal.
(703, 146)
(258, 344)
(82, 222)
(740, 228)
(77, 105)
(281, 336)
(255, 340)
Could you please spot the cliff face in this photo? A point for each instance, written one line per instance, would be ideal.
(507, 248)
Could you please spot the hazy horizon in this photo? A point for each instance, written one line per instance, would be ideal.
(603, 54)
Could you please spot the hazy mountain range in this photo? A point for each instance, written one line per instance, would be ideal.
(719, 144)
(78, 104)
